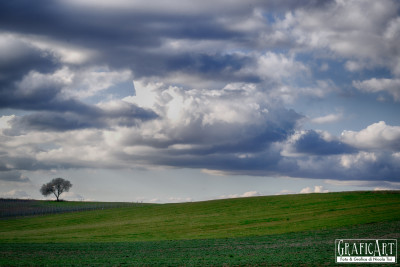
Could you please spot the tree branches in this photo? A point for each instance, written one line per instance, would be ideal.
(56, 186)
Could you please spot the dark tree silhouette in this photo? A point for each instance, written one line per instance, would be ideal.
(56, 186)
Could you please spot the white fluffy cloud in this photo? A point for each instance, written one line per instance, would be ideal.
(286, 192)
(80, 83)
(327, 118)
(359, 160)
(16, 194)
(391, 86)
(5, 121)
(317, 189)
(246, 194)
(344, 29)
(235, 104)
(279, 66)
(306, 190)
(64, 52)
(375, 136)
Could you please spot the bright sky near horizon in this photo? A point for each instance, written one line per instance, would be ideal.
(170, 101)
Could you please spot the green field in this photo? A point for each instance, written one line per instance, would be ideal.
(294, 229)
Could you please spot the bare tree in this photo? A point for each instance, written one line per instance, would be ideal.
(56, 186)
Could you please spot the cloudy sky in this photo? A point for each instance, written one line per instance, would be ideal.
(165, 101)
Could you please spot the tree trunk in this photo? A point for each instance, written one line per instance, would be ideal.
(56, 196)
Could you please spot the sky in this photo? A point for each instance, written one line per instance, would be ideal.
(180, 100)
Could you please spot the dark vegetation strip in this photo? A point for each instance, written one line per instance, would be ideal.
(308, 248)
(12, 208)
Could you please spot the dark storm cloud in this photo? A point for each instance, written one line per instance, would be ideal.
(215, 66)
(51, 121)
(17, 59)
(13, 164)
(264, 163)
(105, 28)
(57, 112)
(26, 58)
(13, 176)
(270, 162)
(312, 143)
(382, 168)
(249, 148)
(10, 174)
(133, 36)
(130, 38)
(46, 97)
(93, 117)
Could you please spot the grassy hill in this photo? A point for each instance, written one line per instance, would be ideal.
(228, 218)
(296, 230)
